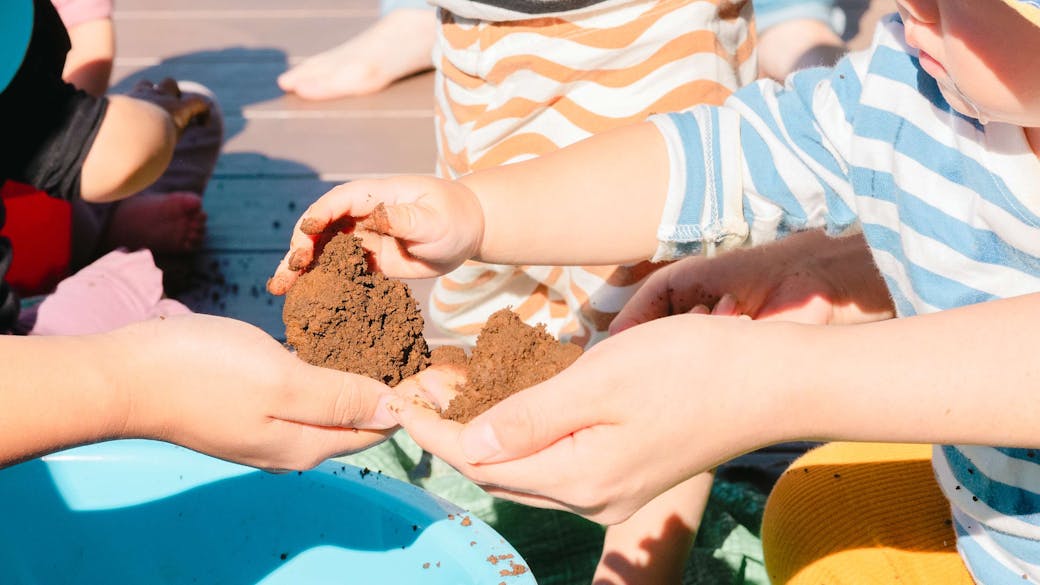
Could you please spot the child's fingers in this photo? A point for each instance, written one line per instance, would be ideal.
(343, 201)
(407, 221)
(284, 277)
(437, 385)
(726, 307)
(354, 199)
(647, 304)
(814, 310)
(433, 433)
(300, 255)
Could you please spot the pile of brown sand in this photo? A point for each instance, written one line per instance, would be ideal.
(341, 315)
(509, 356)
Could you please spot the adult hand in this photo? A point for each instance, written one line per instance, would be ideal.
(226, 388)
(632, 417)
(806, 278)
(415, 227)
(167, 95)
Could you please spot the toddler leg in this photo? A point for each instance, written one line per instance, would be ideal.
(861, 513)
(167, 217)
(197, 151)
(652, 546)
(398, 45)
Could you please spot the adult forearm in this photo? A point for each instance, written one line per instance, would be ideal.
(54, 393)
(596, 202)
(965, 376)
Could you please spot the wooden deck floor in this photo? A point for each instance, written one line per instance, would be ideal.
(281, 152)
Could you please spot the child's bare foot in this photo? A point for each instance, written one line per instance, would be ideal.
(171, 223)
(399, 44)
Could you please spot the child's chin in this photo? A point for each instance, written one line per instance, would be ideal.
(960, 103)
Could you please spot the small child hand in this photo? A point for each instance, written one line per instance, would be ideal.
(808, 278)
(433, 388)
(415, 227)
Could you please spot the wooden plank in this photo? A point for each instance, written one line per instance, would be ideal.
(250, 89)
(146, 41)
(162, 6)
(333, 149)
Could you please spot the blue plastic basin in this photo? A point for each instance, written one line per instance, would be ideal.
(146, 512)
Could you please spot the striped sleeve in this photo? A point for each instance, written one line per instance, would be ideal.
(772, 160)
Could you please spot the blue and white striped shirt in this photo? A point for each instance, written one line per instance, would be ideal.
(949, 207)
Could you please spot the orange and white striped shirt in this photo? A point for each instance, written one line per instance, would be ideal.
(519, 86)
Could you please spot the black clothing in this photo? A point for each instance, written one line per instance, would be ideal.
(47, 127)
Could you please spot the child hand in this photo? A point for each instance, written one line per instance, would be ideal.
(226, 388)
(807, 278)
(167, 95)
(415, 227)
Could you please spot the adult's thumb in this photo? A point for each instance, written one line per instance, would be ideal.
(528, 422)
(331, 398)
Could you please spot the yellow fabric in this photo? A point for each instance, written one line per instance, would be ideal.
(861, 513)
(1026, 9)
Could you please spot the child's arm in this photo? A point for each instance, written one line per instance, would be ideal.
(88, 65)
(214, 385)
(713, 178)
(726, 386)
(595, 202)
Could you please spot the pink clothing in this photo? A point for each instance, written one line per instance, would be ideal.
(75, 12)
(118, 289)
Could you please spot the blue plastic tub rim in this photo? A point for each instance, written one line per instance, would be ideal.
(148, 512)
